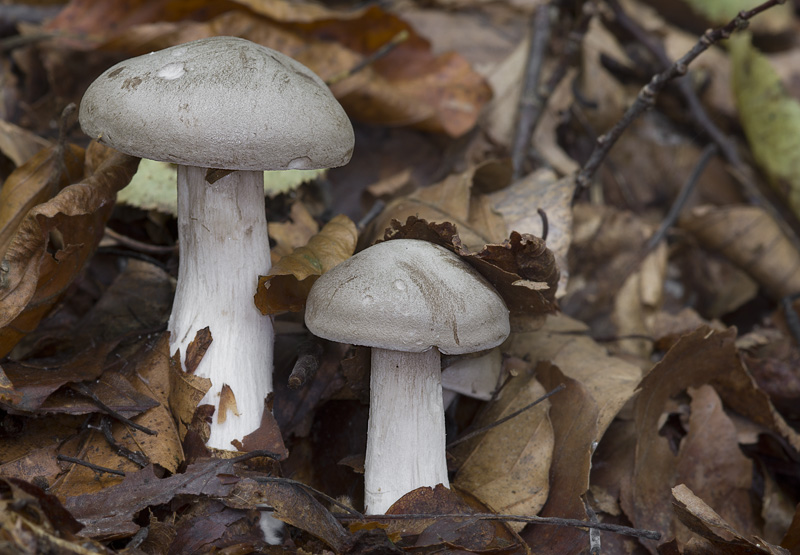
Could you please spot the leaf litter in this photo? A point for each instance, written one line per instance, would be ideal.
(678, 412)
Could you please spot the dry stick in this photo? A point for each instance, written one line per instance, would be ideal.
(353, 513)
(530, 102)
(308, 355)
(740, 171)
(134, 456)
(646, 97)
(680, 200)
(84, 390)
(506, 418)
(131, 243)
(94, 467)
(399, 38)
(604, 526)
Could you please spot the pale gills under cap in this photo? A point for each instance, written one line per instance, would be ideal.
(407, 295)
(220, 102)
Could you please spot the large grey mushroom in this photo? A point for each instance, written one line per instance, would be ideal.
(410, 301)
(229, 104)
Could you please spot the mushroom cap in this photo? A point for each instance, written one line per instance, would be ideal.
(220, 102)
(407, 295)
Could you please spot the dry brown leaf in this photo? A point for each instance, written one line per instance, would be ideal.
(287, 285)
(565, 343)
(751, 240)
(19, 145)
(70, 225)
(292, 234)
(541, 190)
(522, 269)
(704, 521)
(702, 357)
(451, 200)
(508, 467)
(574, 415)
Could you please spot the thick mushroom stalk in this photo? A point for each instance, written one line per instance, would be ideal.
(406, 434)
(224, 245)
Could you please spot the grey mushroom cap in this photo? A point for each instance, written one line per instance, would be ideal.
(407, 295)
(220, 102)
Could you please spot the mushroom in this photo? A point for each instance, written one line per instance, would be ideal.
(228, 104)
(410, 301)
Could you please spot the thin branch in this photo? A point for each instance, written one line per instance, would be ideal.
(396, 40)
(555, 521)
(354, 514)
(133, 456)
(531, 104)
(139, 245)
(680, 200)
(94, 467)
(506, 418)
(646, 97)
(84, 390)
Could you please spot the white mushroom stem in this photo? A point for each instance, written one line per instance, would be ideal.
(406, 434)
(224, 248)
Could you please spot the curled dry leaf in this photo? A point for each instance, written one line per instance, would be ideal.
(70, 225)
(454, 199)
(287, 285)
(708, 524)
(541, 190)
(703, 357)
(19, 144)
(508, 467)
(522, 269)
(750, 239)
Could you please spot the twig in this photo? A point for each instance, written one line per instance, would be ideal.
(594, 533)
(506, 418)
(399, 38)
(555, 521)
(680, 200)
(115, 251)
(530, 102)
(353, 513)
(255, 454)
(377, 208)
(646, 97)
(94, 467)
(134, 456)
(84, 390)
(139, 245)
(742, 172)
(308, 355)
(545, 223)
(791, 316)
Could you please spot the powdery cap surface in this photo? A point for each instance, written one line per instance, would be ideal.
(220, 102)
(407, 295)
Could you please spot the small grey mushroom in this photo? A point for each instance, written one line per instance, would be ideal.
(410, 301)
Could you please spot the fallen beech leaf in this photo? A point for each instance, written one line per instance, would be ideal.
(522, 269)
(702, 357)
(19, 145)
(770, 117)
(754, 243)
(452, 200)
(704, 521)
(289, 281)
(450, 534)
(518, 204)
(292, 234)
(227, 402)
(508, 467)
(185, 390)
(71, 224)
(267, 437)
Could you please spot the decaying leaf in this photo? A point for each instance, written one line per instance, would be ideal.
(750, 239)
(770, 118)
(522, 269)
(508, 467)
(289, 281)
(708, 524)
(452, 200)
(19, 145)
(52, 244)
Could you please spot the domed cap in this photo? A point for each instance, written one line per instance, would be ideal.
(407, 295)
(220, 102)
